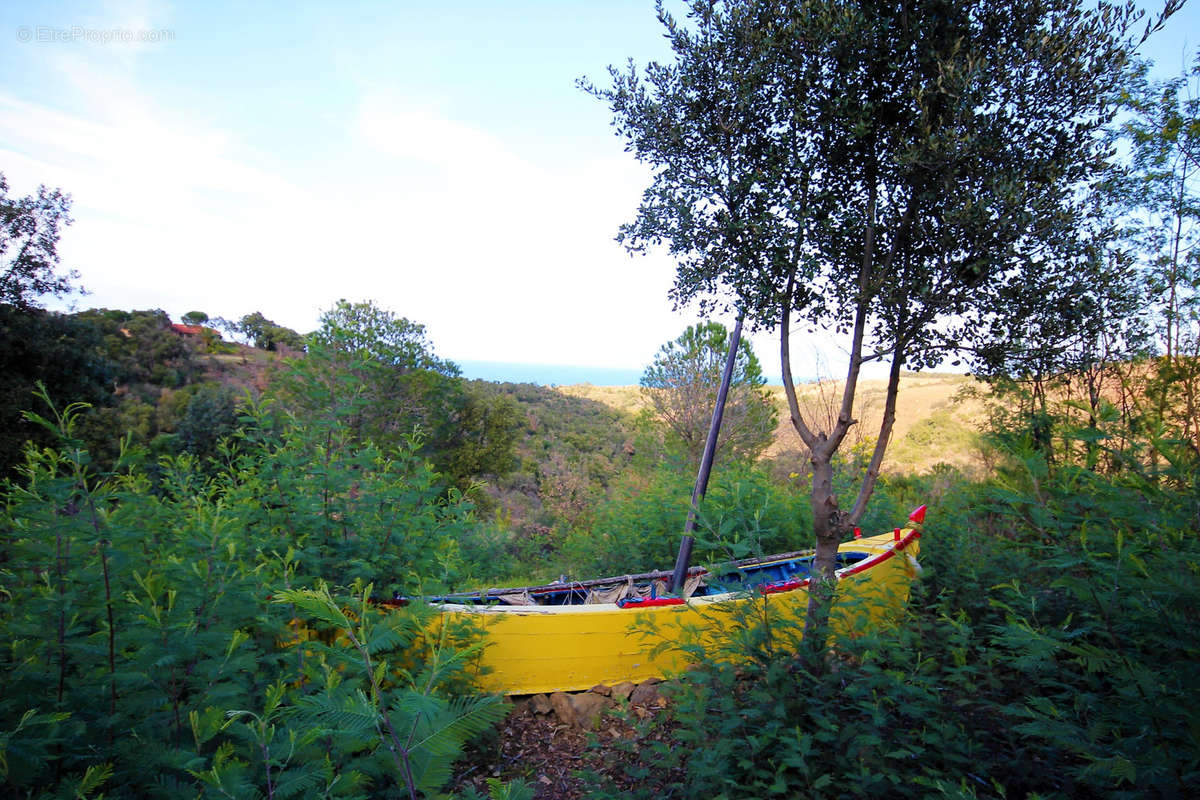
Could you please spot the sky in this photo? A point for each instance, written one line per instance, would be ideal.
(435, 158)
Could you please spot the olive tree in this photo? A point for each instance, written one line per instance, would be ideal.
(906, 176)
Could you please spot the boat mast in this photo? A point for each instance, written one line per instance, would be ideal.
(710, 449)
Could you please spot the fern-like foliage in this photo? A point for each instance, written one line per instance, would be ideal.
(423, 728)
(439, 730)
(169, 628)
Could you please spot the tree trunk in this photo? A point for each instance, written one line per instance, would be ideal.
(823, 580)
(828, 520)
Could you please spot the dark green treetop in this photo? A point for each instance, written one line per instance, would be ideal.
(896, 174)
(365, 330)
(29, 232)
(377, 375)
(266, 334)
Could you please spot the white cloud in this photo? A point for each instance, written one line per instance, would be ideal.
(522, 263)
(504, 257)
(396, 129)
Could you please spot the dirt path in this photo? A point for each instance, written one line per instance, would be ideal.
(566, 762)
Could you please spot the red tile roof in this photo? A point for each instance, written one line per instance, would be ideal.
(188, 330)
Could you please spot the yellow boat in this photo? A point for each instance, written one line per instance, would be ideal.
(573, 636)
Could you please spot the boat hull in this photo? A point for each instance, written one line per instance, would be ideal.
(533, 649)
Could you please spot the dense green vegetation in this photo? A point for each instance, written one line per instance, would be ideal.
(140, 377)
(152, 649)
(151, 631)
(195, 533)
(1049, 651)
(174, 391)
(60, 352)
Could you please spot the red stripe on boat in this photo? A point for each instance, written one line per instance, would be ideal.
(882, 557)
(637, 602)
(783, 586)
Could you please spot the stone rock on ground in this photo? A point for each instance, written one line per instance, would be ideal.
(561, 703)
(540, 704)
(622, 690)
(646, 694)
(583, 710)
(588, 708)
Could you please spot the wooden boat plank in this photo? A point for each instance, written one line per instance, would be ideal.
(640, 577)
(566, 648)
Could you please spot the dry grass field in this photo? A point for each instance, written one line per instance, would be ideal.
(938, 417)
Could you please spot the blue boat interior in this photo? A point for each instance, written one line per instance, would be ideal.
(775, 572)
(747, 577)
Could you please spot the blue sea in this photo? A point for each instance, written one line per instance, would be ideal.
(548, 374)
(558, 374)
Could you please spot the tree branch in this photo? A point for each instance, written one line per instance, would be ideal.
(785, 361)
(845, 420)
(885, 435)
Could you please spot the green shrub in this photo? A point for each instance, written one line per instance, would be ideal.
(1049, 651)
(155, 640)
(745, 513)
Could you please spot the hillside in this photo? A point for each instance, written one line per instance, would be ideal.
(938, 416)
(247, 369)
(568, 449)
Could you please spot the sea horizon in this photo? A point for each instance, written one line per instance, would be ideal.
(558, 374)
(548, 374)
